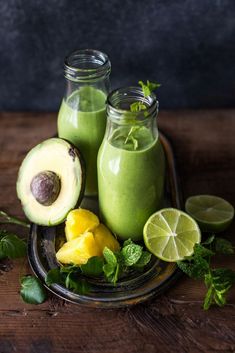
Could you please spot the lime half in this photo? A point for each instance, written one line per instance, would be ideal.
(171, 234)
(211, 212)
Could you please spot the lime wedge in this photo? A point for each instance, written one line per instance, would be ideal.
(212, 213)
(171, 234)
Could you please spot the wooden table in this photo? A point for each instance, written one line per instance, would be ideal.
(204, 144)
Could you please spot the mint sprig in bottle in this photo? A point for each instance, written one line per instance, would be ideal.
(131, 162)
(82, 115)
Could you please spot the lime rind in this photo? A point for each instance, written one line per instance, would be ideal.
(176, 236)
(211, 212)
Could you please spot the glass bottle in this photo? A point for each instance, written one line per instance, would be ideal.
(131, 164)
(82, 115)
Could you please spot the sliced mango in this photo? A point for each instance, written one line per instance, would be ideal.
(103, 237)
(77, 251)
(80, 221)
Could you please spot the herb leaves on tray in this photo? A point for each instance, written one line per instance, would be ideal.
(112, 266)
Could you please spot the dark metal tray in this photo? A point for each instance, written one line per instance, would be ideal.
(138, 287)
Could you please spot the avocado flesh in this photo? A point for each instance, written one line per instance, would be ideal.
(61, 158)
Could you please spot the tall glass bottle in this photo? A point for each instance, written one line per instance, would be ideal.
(82, 115)
(131, 164)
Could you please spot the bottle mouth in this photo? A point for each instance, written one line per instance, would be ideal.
(86, 65)
(120, 100)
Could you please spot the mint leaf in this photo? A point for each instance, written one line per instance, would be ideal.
(11, 246)
(131, 254)
(127, 242)
(109, 256)
(32, 290)
(145, 88)
(143, 260)
(196, 268)
(223, 246)
(53, 276)
(148, 87)
(137, 107)
(93, 267)
(202, 251)
(153, 86)
(109, 270)
(79, 286)
(209, 240)
(208, 298)
(218, 281)
(69, 268)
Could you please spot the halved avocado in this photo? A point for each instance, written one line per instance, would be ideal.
(51, 181)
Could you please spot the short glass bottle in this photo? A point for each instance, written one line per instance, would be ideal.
(82, 115)
(131, 164)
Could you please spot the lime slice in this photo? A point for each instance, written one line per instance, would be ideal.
(211, 212)
(171, 234)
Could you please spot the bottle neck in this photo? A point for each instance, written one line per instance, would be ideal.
(131, 130)
(87, 67)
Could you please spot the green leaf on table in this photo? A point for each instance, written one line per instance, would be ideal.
(218, 281)
(11, 245)
(223, 246)
(131, 254)
(32, 291)
(93, 267)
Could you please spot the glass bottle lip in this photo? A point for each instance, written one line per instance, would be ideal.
(119, 101)
(86, 65)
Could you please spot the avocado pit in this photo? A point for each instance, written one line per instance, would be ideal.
(45, 187)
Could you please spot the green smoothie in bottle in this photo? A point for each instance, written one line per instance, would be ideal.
(82, 115)
(131, 165)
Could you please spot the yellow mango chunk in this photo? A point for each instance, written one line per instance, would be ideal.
(80, 221)
(103, 237)
(78, 250)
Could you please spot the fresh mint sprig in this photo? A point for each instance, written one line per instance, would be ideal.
(198, 266)
(112, 266)
(147, 89)
(137, 107)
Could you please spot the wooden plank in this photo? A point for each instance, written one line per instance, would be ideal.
(205, 148)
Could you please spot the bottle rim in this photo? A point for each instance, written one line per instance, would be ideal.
(86, 65)
(126, 96)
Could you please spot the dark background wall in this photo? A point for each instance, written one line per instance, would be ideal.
(188, 46)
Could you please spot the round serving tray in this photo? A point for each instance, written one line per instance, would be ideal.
(138, 287)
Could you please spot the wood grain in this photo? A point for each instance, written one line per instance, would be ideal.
(204, 145)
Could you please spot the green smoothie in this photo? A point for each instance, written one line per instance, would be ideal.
(131, 168)
(82, 121)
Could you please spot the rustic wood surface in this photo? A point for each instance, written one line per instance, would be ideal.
(204, 145)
